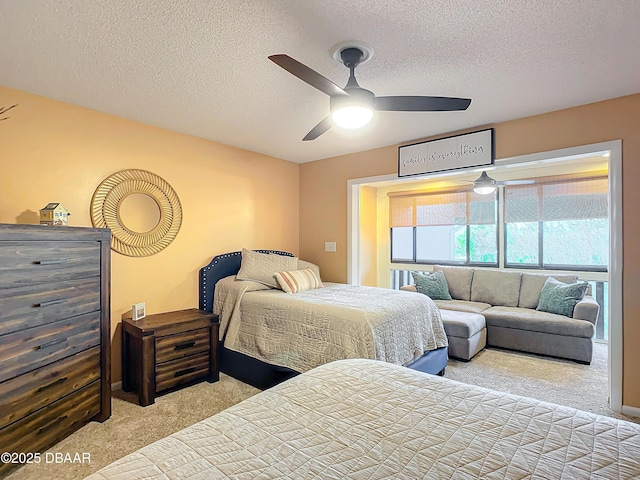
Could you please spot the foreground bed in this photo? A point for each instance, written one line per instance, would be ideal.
(269, 335)
(368, 419)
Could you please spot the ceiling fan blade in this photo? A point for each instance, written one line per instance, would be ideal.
(421, 104)
(307, 75)
(515, 182)
(319, 129)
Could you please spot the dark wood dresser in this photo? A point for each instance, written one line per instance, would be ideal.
(55, 355)
(168, 350)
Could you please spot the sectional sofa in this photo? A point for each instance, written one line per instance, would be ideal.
(501, 308)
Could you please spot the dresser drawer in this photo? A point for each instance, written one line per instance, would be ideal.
(31, 306)
(23, 351)
(181, 345)
(31, 263)
(183, 370)
(44, 427)
(27, 393)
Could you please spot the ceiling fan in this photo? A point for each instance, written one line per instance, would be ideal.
(485, 184)
(353, 106)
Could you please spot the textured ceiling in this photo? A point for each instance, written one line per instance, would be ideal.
(200, 66)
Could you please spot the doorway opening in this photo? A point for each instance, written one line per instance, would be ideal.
(369, 256)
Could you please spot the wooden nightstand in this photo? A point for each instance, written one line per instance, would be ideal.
(166, 350)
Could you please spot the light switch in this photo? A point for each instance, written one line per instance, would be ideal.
(329, 246)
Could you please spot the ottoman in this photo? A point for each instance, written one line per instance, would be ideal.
(467, 333)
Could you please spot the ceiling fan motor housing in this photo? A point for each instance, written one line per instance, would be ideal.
(351, 57)
(357, 96)
(485, 181)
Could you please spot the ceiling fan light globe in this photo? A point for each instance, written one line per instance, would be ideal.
(352, 116)
(484, 185)
(484, 189)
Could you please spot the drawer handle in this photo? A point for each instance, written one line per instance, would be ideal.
(180, 373)
(51, 425)
(182, 346)
(52, 261)
(53, 384)
(50, 302)
(50, 344)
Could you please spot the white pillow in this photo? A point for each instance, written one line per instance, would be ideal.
(304, 264)
(261, 267)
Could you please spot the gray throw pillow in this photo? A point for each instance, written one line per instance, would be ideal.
(559, 297)
(433, 285)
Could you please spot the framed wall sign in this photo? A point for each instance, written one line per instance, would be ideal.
(459, 151)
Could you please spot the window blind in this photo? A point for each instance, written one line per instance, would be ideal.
(556, 199)
(442, 208)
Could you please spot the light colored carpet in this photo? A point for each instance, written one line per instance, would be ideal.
(553, 380)
(131, 426)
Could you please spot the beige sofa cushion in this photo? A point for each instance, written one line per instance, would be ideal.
(532, 284)
(462, 305)
(459, 281)
(462, 324)
(532, 320)
(496, 287)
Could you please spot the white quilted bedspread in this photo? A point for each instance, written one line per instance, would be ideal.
(303, 330)
(362, 419)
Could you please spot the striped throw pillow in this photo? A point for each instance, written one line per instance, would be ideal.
(294, 281)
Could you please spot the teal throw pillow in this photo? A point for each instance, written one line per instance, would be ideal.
(559, 297)
(434, 285)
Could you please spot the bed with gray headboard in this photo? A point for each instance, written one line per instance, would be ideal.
(254, 369)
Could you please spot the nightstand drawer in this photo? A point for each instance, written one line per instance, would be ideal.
(183, 370)
(31, 263)
(181, 345)
(27, 393)
(30, 306)
(21, 352)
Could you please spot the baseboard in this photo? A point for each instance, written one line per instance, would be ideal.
(631, 411)
(116, 386)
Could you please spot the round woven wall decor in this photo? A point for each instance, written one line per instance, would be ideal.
(108, 198)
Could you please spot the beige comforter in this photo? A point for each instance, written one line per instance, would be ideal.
(303, 330)
(362, 419)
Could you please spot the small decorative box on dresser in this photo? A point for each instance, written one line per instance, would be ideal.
(166, 350)
(55, 355)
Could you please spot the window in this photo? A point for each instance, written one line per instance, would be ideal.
(558, 222)
(455, 227)
(402, 241)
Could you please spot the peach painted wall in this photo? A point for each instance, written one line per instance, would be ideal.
(368, 236)
(323, 206)
(603, 121)
(231, 198)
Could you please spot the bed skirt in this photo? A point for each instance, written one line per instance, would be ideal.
(263, 375)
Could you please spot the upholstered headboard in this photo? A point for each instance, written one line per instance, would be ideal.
(219, 267)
